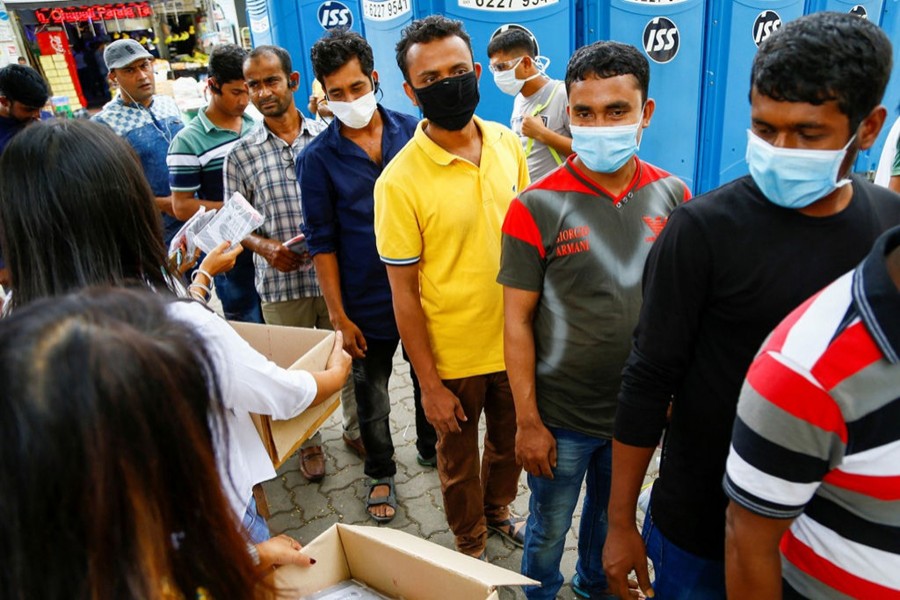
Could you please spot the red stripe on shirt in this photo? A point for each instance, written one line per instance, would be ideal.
(805, 559)
(520, 224)
(796, 395)
(561, 180)
(776, 341)
(882, 487)
(851, 352)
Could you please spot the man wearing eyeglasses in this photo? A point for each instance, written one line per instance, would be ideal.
(539, 112)
(262, 167)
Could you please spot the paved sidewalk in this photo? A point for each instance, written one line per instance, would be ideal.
(303, 510)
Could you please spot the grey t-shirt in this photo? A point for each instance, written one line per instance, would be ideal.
(540, 159)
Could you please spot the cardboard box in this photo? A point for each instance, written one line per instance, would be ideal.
(291, 348)
(395, 564)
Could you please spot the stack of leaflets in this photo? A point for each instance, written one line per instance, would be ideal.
(208, 228)
(345, 591)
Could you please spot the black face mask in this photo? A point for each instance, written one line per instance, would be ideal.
(450, 103)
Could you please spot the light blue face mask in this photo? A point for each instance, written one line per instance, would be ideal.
(792, 177)
(605, 149)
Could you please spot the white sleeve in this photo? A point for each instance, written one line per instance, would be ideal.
(248, 380)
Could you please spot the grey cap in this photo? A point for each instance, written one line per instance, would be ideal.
(122, 53)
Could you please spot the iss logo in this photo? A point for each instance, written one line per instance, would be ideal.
(860, 11)
(765, 25)
(333, 15)
(661, 40)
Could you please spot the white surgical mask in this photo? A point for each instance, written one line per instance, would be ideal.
(507, 81)
(356, 114)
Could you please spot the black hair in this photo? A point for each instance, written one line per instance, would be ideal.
(511, 40)
(76, 210)
(109, 412)
(609, 59)
(21, 83)
(278, 52)
(226, 64)
(822, 57)
(337, 48)
(422, 31)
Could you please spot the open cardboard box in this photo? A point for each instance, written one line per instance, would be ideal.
(290, 348)
(395, 564)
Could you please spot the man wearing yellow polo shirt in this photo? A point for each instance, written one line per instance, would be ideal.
(439, 206)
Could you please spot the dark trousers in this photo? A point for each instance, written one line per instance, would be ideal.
(373, 404)
(479, 492)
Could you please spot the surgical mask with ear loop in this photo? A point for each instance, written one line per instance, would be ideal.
(507, 81)
(358, 113)
(794, 177)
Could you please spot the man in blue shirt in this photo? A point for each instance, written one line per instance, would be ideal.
(337, 173)
(23, 93)
(147, 122)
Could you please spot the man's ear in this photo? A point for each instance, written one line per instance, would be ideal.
(870, 127)
(408, 90)
(649, 108)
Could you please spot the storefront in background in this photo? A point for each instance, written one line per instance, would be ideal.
(66, 40)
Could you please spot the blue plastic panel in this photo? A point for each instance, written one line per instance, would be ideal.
(552, 22)
(671, 35)
(734, 31)
(872, 10)
(383, 21)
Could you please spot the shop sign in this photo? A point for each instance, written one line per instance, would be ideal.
(99, 12)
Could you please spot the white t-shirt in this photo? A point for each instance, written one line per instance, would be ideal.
(553, 94)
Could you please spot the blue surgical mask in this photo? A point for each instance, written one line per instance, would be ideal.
(605, 149)
(793, 177)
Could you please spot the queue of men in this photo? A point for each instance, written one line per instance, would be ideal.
(547, 278)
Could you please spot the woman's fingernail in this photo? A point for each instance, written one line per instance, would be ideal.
(312, 561)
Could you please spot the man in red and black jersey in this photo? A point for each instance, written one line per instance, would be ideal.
(574, 246)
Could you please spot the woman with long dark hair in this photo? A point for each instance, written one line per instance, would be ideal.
(108, 484)
(76, 211)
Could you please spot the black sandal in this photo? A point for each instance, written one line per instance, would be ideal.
(390, 499)
(508, 529)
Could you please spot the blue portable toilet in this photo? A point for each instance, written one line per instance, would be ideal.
(295, 25)
(890, 22)
(383, 20)
(734, 31)
(872, 10)
(866, 9)
(260, 23)
(671, 35)
(551, 22)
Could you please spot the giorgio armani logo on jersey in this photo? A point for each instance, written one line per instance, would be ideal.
(573, 240)
(656, 225)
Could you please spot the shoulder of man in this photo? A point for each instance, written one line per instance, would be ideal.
(187, 140)
(672, 185)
